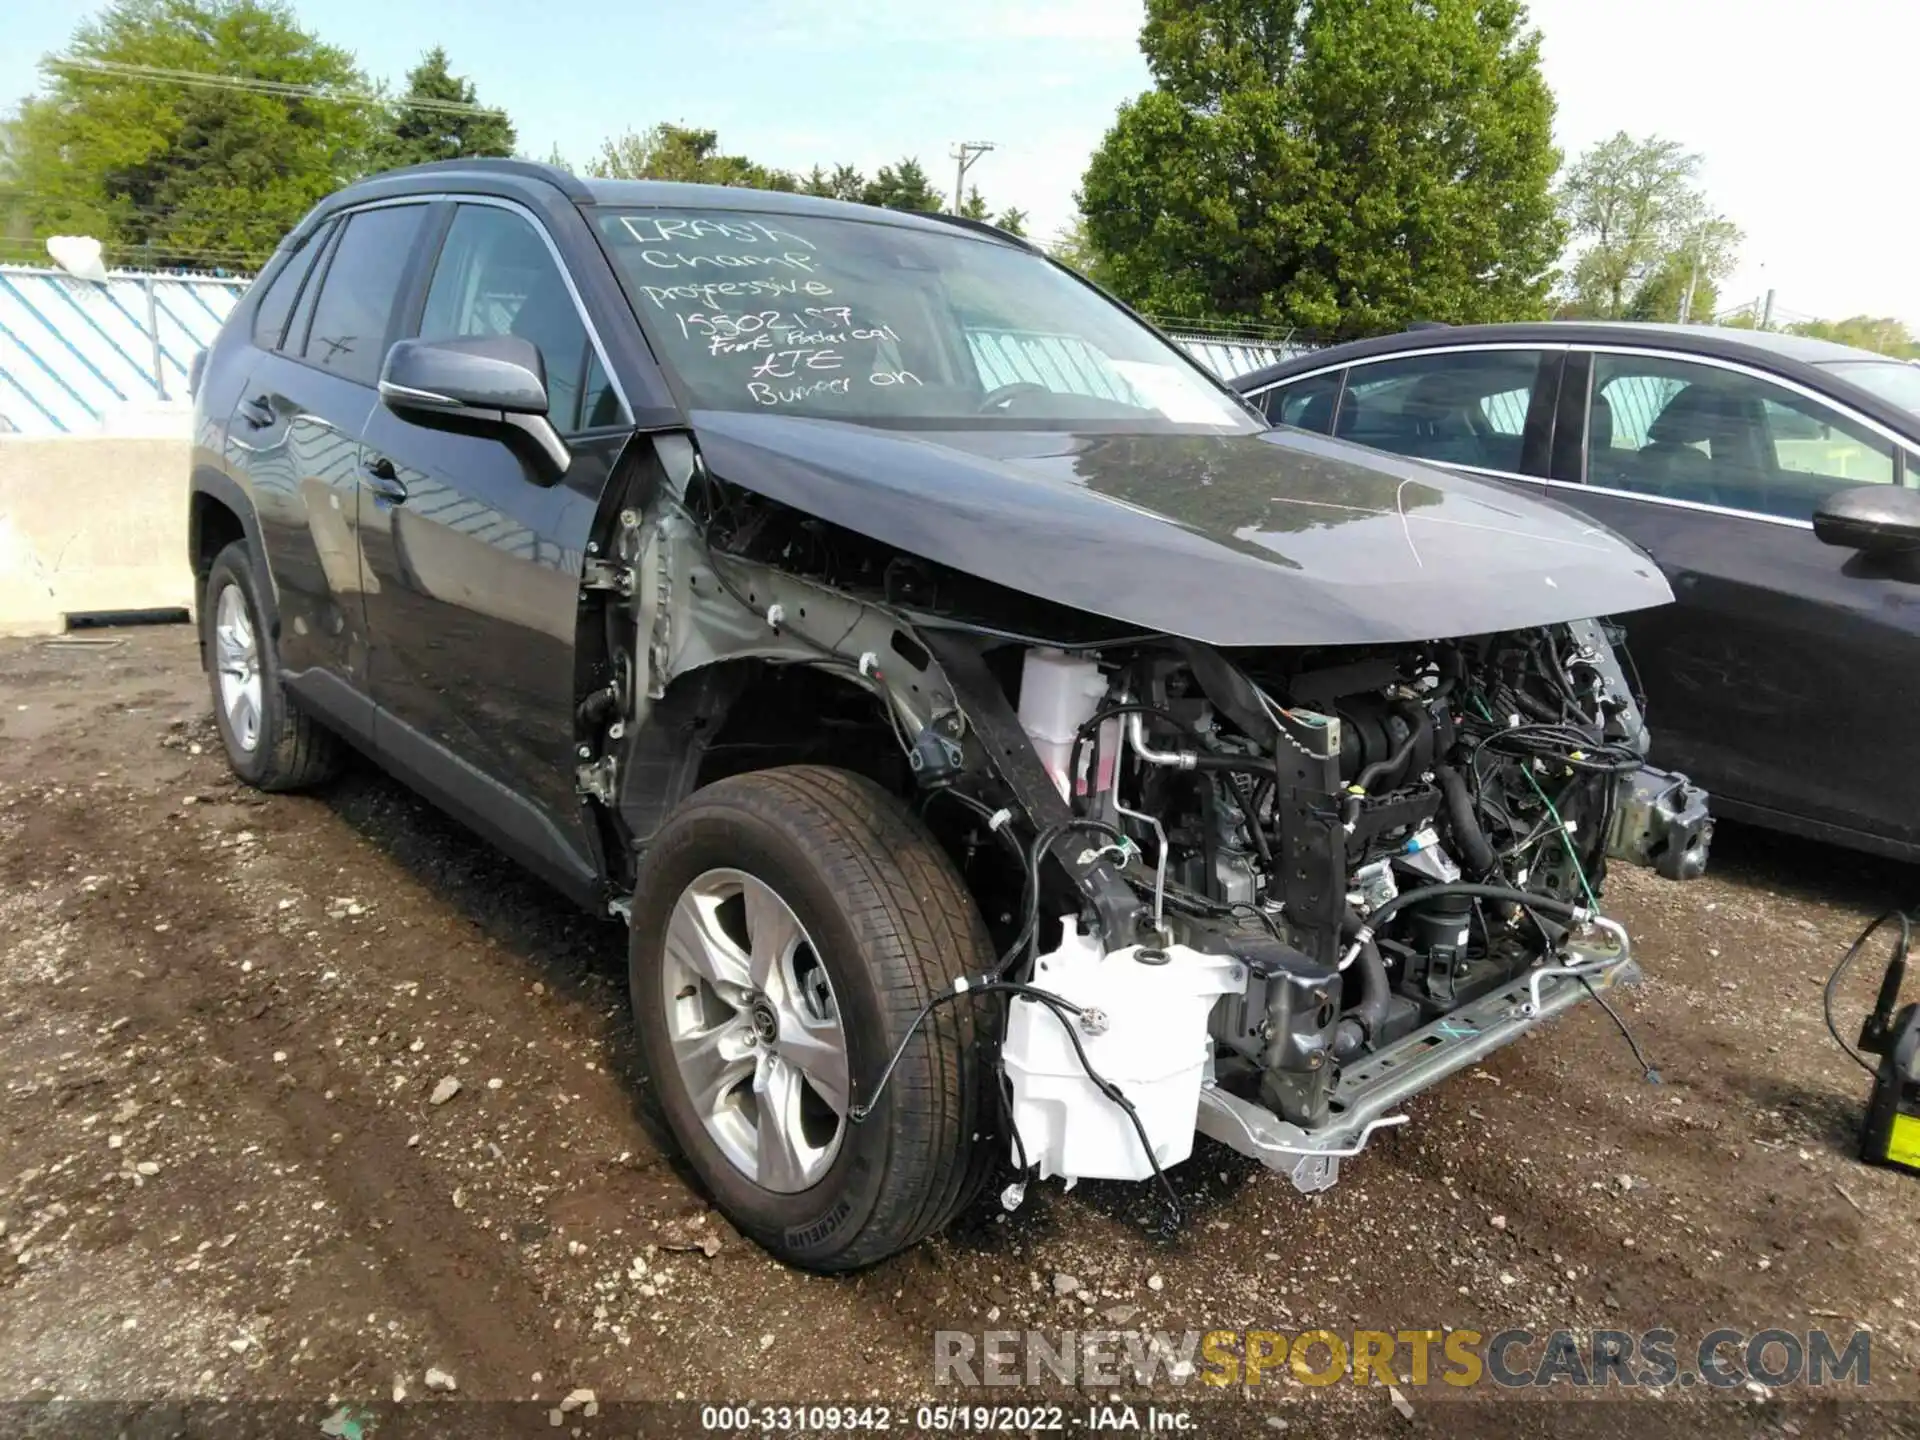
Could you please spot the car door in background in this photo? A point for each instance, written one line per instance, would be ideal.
(1784, 677)
(475, 549)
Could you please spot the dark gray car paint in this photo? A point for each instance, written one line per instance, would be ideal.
(1279, 538)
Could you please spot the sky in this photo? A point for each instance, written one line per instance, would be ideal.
(1798, 107)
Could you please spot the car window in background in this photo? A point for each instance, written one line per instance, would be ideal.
(893, 325)
(348, 332)
(1306, 404)
(1452, 407)
(1719, 437)
(496, 276)
(1893, 380)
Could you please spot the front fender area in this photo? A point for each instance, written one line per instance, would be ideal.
(737, 666)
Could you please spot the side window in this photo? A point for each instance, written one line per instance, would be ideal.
(276, 305)
(348, 332)
(1453, 407)
(1305, 404)
(496, 276)
(1720, 437)
(599, 401)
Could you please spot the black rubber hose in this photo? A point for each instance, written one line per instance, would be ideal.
(1564, 909)
(1235, 764)
(1254, 832)
(1416, 719)
(1375, 994)
(1467, 834)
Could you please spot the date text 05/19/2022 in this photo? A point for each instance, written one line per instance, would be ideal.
(946, 1419)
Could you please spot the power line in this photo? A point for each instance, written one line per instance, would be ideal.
(250, 85)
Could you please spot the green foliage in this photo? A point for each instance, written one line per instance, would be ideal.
(845, 183)
(674, 152)
(1640, 228)
(1864, 332)
(1345, 166)
(1662, 296)
(415, 136)
(902, 187)
(1072, 249)
(179, 174)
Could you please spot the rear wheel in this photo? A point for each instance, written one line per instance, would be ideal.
(270, 742)
(788, 928)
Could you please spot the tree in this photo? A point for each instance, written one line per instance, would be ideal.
(1685, 283)
(188, 174)
(1072, 249)
(845, 183)
(902, 187)
(1864, 332)
(675, 152)
(1641, 230)
(1013, 220)
(973, 207)
(1345, 166)
(415, 135)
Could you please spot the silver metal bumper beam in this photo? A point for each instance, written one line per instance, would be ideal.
(1366, 1091)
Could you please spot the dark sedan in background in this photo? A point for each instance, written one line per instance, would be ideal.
(1774, 478)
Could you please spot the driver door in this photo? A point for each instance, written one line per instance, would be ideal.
(475, 553)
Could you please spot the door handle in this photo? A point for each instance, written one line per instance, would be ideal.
(383, 479)
(257, 412)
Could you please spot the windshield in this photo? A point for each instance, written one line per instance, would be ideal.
(890, 325)
(1889, 379)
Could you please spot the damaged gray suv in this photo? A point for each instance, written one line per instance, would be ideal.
(1008, 753)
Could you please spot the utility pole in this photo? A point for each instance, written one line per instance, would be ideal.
(1693, 279)
(1766, 317)
(964, 154)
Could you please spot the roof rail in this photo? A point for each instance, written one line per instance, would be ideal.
(565, 181)
(984, 227)
(1429, 325)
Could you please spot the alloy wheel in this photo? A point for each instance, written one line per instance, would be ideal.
(237, 657)
(756, 1030)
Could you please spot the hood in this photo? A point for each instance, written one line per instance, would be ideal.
(1274, 538)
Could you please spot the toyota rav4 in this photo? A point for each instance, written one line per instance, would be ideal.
(1007, 752)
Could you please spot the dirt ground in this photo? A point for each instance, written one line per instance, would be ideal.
(224, 1182)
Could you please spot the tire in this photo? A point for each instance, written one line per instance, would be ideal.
(882, 912)
(271, 743)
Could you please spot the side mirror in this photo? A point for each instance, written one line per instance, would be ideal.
(1873, 519)
(497, 380)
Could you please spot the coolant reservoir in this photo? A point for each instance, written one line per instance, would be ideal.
(1058, 694)
(1144, 1027)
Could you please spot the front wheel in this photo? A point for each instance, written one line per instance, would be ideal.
(788, 928)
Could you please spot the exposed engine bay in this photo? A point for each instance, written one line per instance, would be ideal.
(1262, 893)
(1382, 839)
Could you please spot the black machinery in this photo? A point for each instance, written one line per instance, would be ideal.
(1891, 1134)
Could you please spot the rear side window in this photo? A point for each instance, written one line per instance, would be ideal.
(348, 332)
(1306, 404)
(1453, 407)
(270, 316)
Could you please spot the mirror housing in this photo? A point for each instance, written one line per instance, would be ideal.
(479, 372)
(1873, 519)
(488, 380)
